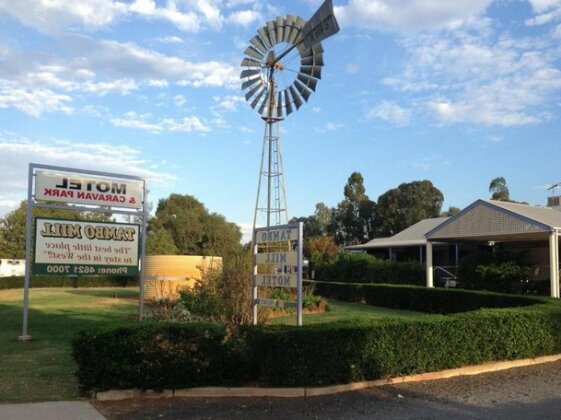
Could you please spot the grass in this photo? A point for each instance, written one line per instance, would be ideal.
(43, 369)
(338, 311)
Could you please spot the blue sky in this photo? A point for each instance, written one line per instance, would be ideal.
(457, 92)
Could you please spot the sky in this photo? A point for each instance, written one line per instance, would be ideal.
(456, 92)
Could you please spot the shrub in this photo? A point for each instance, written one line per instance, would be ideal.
(17, 282)
(158, 356)
(172, 356)
(422, 299)
(364, 268)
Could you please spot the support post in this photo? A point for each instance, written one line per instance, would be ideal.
(554, 264)
(141, 279)
(28, 229)
(429, 265)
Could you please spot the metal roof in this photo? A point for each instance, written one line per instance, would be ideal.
(498, 219)
(412, 236)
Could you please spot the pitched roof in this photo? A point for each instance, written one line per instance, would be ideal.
(490, 218)
(412, 236)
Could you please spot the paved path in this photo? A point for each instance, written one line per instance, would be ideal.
(532, 392)
(56, 410)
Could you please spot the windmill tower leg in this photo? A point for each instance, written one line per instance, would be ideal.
(270, 205)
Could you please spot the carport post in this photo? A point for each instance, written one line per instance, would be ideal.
(554, 264)
(429, 264)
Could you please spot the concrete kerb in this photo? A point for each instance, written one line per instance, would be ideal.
(220, 392)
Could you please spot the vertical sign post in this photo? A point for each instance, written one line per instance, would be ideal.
(87, 191)
(277, 262)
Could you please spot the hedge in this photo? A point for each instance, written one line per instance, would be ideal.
(422, 299)
(172, 356)
(17, 282)
(364, 268)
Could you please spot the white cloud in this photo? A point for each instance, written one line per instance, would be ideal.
(170, 40)
(56, 16)
(179, 100)
(352, 68)
(229, 103)
(17, 152)
(245, 17)
(146, 122)
(391, 112)
(476, 75)
(33, 101)
(408, 15)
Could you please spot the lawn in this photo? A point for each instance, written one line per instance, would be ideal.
(43, 369)
(339, 311)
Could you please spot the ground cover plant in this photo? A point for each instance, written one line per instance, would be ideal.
(43, 368)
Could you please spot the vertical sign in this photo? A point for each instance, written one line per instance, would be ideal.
(277, 262)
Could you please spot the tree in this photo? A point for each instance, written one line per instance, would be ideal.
(450, 212)
(406, 205)
(12, 226)
(499, 189)
(353, 219)
(316, 224)
(320, 250)
(194, 230)
(160, 242)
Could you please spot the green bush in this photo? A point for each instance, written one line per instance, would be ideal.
(422, 299)
(17, 282)
(364, 268)
(158, 356)
(171, 356)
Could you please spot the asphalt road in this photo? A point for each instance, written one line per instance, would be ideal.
(532, 392)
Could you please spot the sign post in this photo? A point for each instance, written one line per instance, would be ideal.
(74, 247)
(277, 262)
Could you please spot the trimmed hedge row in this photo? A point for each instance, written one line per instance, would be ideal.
(172, 356)
(364, 268)
(422, 299)
(17, 282)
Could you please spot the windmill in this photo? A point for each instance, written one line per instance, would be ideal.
(275, 89)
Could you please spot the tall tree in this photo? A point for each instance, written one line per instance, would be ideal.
(499, 189)
(406, 205)
(353, 219)
(316, 224)
(451, 211)
(194, 230)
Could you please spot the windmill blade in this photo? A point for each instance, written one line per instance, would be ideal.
(311, 71)
(264, 37)
(279, 105)
(288, 28)
(312, 60)
(321, 25)
(263, 105)
(251, 82)
(250, 62)
(280, 29)
(258, 97)
(272, 29)
(317, 48)
(295, 98)
(249, 73)
(253, 52)
(305, 93)
(258, 44)
(308, 81)
(288, 102)
(252, 91)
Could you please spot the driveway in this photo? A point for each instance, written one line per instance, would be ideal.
(532, 392)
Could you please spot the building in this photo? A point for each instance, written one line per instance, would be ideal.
(485, 224)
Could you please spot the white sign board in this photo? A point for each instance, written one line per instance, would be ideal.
(277, 262)
(74, 247)
(90, 190)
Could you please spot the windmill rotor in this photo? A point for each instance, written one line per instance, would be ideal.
(264, 60)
